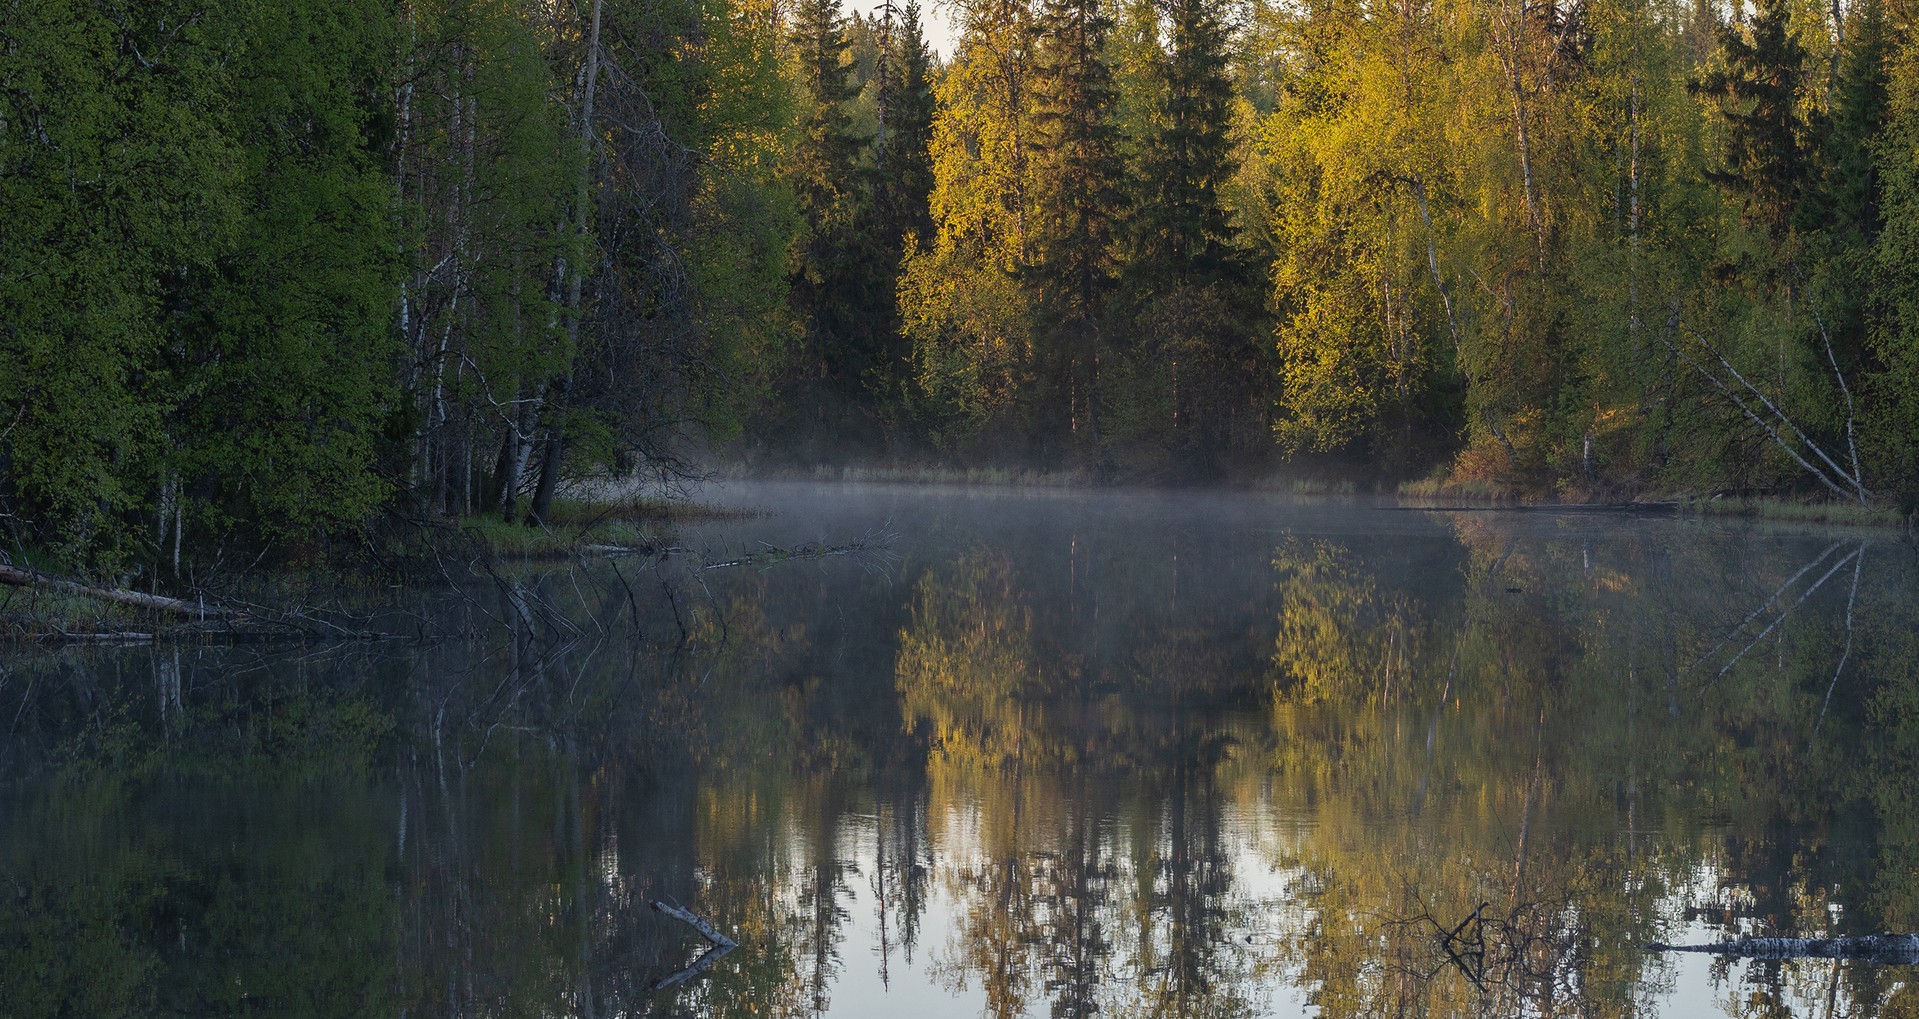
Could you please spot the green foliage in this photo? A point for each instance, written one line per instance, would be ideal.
(1892, 442)
(747, 213)
(1081, 181)
(271, 270)
(1758, 87)
(282, 358)
(845, 263)
(199, 288)
(970, 328)
(119, 176)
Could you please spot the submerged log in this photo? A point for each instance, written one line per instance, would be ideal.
(1897, 949)
(693, 920)
(17, 577)
(721, 944)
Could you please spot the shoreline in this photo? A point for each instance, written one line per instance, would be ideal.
(1410, 496)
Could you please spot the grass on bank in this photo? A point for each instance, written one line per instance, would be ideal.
(1307, 485)
(1776, 508)
(1315, 483)
(1842, 514)
(580, 525)
(38, 613)
(1004, 477)
(1471, 492)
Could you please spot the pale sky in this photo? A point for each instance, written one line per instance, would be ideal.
(936, 19)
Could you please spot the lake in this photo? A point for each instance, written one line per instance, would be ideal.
(1016, 753)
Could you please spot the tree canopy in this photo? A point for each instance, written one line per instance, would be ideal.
(270, 273)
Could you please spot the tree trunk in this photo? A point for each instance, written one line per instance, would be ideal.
(516, 449)
(554, 445)
(555, 449)
(16, 577)
(1516, 40)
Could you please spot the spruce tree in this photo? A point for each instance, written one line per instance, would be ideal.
(830, 150)
(1181, 235)
(841, 288)
(1891, 438)
(1198, 361)
(903, 183)
(1846, 200)
(1841, 211)
(906, 162)
(1081, 180)
(1758, 92)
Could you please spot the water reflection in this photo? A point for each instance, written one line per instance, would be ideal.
(1065, 757)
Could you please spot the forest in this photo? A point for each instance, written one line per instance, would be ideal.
(271, 272)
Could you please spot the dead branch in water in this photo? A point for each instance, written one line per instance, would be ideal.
(769, 555)
(220, 622)
(721, 944)
(766, 555)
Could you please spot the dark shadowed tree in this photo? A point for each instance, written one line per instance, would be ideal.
(1185, 272)
(1081, 179)
(1758, 92)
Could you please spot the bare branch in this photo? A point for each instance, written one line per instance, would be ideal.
(1751, 414)
(1852, 446)
(1862, 494)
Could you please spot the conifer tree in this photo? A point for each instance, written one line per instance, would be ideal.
(1758, 90)
(1892, 436)
(1193, 319)
(830, 150)
(906, 162)
(842, 277)
(903, 183)
(1081, 178)
(1841, 210)
(1846, 198)
(1181, 233)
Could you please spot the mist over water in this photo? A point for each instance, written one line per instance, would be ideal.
(1042, 753)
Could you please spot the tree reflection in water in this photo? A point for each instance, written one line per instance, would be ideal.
(1091, 765)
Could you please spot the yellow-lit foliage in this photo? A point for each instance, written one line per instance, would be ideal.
(961, 305)
(967, 671)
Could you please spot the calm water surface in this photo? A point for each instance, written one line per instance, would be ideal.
(1041, 754)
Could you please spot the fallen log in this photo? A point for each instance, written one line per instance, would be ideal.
(692, 919)
(1894, 949)
(618, 550)
(17, 577)
(721, 944)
